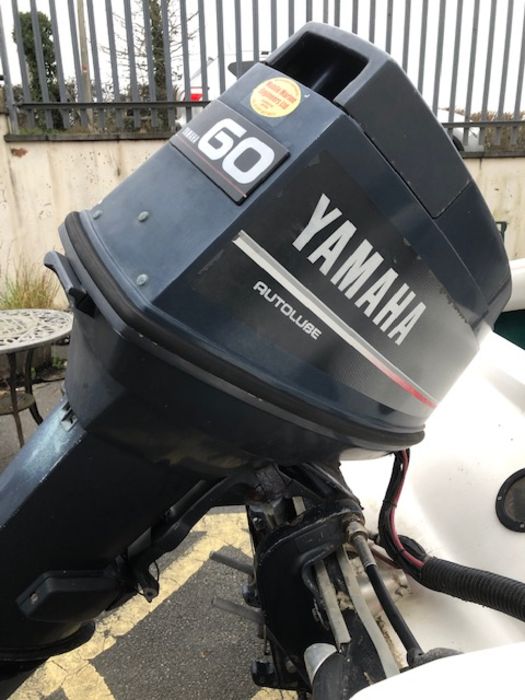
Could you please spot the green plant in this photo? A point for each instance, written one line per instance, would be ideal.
(30, 287)
(30, 53)
(58, 362)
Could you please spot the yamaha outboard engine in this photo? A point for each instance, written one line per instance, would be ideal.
(301, 273)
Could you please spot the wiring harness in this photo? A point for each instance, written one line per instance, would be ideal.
(473, 585)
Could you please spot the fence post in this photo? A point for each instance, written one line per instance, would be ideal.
(42, 78)
(185, 55)
(84, 59)
(60, 70)
(9, 98)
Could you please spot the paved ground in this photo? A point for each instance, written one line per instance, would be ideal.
(47, 396)
(179, 647)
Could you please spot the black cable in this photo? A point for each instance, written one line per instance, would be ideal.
(395, 618)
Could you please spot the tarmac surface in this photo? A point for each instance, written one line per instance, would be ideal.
(179, 647)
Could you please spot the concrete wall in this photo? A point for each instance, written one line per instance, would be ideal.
(40, 182)
(502, 183)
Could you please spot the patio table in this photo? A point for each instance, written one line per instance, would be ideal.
(24, 330)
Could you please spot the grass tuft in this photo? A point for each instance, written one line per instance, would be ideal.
(30, 287)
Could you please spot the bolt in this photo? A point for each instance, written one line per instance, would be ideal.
(143, 216)
(34, 598)
(522, 526)
(258, 523)
(142, 279)
(290, 666)
(97, 214)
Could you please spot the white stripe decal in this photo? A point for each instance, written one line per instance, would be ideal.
(281, 275)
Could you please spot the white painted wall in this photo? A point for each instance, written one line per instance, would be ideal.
(41, 182)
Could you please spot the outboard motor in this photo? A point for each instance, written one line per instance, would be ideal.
(300, 274)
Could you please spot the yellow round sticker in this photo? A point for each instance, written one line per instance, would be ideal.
(276, 97)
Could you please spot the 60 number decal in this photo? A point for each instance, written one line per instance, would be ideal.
(230, 150)
(218, 143)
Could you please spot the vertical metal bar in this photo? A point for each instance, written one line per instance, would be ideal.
(148, 45)
(28, 387)
(76, 61)
(372, 21)
(203, 52)
(325, 11)
(388, 38)
(113, 59)
(505, 66)
(439, 54)
(422, 46)
(308, 10)
(39, 52)
(170, 96)
(355, 15)
(273, 24)
(488, 68)
(255, 23)
(84, 58)
(337, 12)
(220, 46)
(519, 84)
(96, 64)
(26, 90)
(128, 19)
(9, 98)
(406, 34)
(291, 16)
(60, 69)
(472, 65)
(455, 63)
(11, 357)
(238, 37)
(185, 55)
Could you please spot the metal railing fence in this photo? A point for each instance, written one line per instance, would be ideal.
(100, 68)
